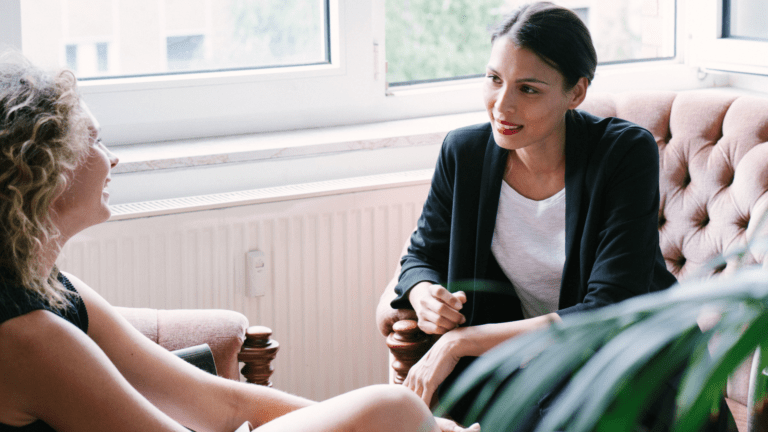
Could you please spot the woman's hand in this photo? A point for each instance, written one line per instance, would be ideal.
(446, 425)
(436, 308)
(436, 365)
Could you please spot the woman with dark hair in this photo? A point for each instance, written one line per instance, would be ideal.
(68, 361)
(543, 212)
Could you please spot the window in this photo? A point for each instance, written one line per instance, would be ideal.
(583, 14)
(198, 35)
(102, 56)
(746, 19)
(88, 59)
(346, 83)
(72, 57)
(730, 35)
(185, 52)
(449, 39)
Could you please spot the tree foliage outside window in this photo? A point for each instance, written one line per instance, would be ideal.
(430, 40)
(438, 39)
(275, 32)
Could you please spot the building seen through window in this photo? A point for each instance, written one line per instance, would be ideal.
(112, 38)
(185, 52)
(88, 58)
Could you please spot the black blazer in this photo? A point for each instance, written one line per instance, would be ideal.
(611, 232)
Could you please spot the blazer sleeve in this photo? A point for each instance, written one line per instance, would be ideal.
(428, 253)
(622, 244)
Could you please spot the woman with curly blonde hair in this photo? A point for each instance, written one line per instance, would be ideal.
(41, 142)
(68, 361)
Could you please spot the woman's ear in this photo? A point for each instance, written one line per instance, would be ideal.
(578, 93)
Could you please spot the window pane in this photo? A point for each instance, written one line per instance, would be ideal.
(185, 52)
(444, 39)
(111, 38)
(71, 56)
(745, 19)
(102, 50)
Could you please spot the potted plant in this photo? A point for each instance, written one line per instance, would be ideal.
(622, 355)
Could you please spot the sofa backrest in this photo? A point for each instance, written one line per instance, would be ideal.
(713, 150)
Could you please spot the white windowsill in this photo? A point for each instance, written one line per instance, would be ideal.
(186, 153)
(290, 144)
(195, 167)
(187, 168)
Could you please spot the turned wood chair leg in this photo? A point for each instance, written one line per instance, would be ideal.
(408, 344)
(257, 353)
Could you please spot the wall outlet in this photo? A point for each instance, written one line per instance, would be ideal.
(256, 273)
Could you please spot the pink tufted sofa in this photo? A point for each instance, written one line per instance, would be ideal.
(713, 149)
(713, 156)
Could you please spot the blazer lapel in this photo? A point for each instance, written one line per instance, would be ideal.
(493, 172)
(575, 163)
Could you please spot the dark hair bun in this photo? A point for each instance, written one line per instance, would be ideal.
(557, 35)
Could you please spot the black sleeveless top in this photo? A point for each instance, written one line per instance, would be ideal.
(16, 301)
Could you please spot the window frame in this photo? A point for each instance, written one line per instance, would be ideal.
(351, 89)
(710, 50)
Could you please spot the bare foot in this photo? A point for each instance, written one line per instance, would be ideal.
(446, 425)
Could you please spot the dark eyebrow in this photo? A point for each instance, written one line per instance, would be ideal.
(521, 80)
(532, 80)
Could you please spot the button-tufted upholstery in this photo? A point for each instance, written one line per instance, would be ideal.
(713, 150)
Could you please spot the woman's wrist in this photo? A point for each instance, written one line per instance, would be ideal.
(464, 341)
(475, 341)
(417, 291)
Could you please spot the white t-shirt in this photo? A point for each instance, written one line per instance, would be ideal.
(529, 245)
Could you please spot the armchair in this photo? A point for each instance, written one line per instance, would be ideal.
(226, 333)
(713, 179)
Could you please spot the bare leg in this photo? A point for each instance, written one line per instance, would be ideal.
(377, 408)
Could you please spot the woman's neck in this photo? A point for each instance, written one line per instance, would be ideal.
(536, 164)
(538, 171)
(545, 158)
(50, 253)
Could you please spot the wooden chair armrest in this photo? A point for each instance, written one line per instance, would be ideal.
(408, 344)
(257, 353)
(386, 317)
(405, 340)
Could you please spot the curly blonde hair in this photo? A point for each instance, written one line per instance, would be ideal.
(43, 132)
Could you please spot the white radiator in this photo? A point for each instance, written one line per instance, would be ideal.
(330, 249)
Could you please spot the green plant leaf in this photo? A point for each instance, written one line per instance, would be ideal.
(493, 368)
(541, 375)
(646, 385)
(619, 356)
(612, 366)
(707, 379)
